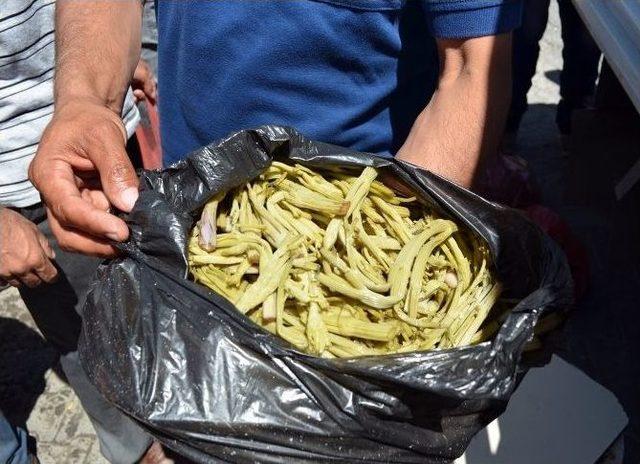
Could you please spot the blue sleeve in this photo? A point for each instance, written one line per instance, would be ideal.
(460, 19)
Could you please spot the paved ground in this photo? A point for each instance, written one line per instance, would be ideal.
(31, 391)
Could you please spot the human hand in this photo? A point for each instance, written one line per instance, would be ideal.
(81, 169)
(25, 254)
(144, 83)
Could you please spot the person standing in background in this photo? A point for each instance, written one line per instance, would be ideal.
(52, 282)
(580, 54)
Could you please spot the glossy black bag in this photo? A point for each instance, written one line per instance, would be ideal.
(213, 386)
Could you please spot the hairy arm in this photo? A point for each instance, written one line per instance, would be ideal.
(464, 120)
(81, 168)
(97, 50)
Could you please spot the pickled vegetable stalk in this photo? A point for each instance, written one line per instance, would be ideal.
(340, 265)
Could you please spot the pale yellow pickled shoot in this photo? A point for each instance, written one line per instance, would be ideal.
(340, 265)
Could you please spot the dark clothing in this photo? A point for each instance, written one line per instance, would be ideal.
(580, 55)
(526, 49)
(57, 309)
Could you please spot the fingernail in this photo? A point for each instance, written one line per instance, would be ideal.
(129, 197)
(113, 236)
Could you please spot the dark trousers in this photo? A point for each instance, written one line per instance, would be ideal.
(57, 311)
(580, 56)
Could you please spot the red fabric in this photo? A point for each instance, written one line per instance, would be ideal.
(148, 134)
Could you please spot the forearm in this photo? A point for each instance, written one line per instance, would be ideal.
(97, 49)
(464, 120)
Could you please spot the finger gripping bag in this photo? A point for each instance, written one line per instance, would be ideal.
(207, 382)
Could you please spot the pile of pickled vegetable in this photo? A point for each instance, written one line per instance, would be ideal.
(340, 265)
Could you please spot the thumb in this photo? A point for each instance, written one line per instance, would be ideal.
(46, 247)
(117, 175)
(139, 94)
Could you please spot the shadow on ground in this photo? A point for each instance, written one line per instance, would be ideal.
(553, 75)
(24, 359)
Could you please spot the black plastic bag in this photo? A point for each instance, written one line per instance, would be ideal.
(213, 386)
